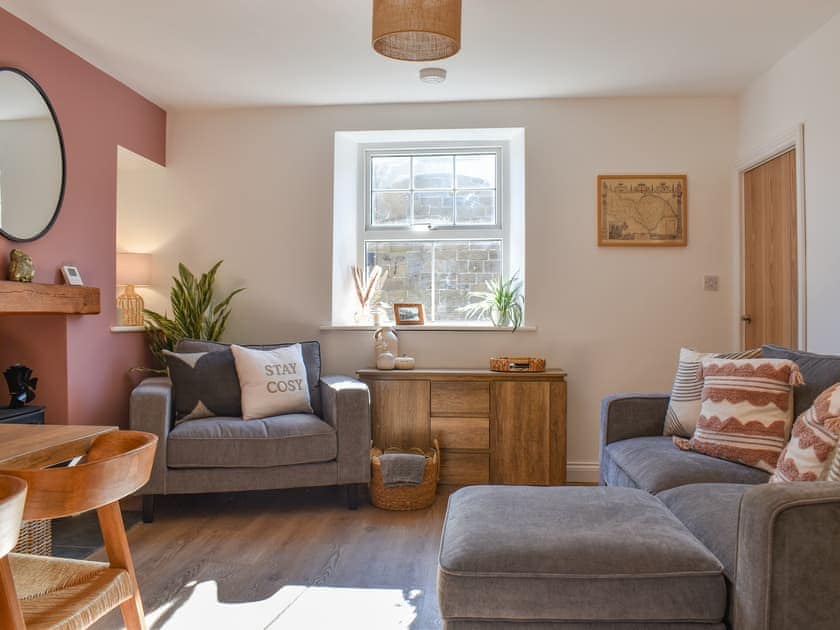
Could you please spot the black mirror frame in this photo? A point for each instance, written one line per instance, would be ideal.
(58, 204)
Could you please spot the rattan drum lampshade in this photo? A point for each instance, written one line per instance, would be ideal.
(417, 30)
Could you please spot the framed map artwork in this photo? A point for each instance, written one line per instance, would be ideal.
(642, 210)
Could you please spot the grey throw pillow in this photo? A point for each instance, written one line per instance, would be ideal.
(204, 384)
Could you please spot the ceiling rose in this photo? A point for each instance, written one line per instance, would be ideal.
(417, 30)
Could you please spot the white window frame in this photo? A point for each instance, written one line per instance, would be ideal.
(500, 231)
(350, 205)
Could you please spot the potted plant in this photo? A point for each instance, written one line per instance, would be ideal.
(195, 312)
(503, 302)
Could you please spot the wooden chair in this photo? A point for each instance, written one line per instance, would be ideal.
(57, 593)
(12, 499)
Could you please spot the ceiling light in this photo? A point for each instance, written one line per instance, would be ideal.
(433, 75)
(416, 30)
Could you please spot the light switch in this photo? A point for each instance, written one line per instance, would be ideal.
(710, 283)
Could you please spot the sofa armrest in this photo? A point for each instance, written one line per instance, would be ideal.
(150, 410)
(345, 404)
(788, 560)
(625, 416)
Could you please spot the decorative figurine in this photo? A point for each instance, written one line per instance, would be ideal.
(404, 363)
(385, 361)
(21, 267)
(385, 339)
(21, 385)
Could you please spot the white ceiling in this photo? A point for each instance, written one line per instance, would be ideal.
(196, 53)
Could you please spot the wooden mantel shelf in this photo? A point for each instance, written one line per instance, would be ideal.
(18, 298)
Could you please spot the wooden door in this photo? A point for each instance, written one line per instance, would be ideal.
(770, 253)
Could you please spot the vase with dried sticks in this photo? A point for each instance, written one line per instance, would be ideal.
(369, 292)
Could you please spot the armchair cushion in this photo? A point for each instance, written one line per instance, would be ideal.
(225, 442)
(655, 464)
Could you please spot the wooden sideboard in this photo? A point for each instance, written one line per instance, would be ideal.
(493, 427)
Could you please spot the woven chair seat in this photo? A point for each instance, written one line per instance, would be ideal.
(61, 594)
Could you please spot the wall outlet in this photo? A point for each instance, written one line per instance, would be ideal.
(710, 283)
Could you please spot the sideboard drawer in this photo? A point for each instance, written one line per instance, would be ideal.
(455, 398)
(461, 469)
(455, 432)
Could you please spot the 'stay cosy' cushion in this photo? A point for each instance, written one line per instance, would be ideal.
(273, 382)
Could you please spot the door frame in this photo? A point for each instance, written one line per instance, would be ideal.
(794, 138)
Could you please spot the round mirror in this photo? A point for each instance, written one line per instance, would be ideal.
(31, 158)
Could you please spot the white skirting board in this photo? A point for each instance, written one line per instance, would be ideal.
(582, 472)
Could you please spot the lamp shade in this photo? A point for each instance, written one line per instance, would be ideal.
(417, 30)
(134, 269)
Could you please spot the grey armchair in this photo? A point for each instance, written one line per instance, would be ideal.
(221, 454)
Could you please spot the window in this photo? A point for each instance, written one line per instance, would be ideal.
(443, 210)
(434, 219)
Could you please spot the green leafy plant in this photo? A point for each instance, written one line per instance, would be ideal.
(195, 312)
(503, 302)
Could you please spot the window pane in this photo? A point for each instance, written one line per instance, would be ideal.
(433, 171)
(461, 267)
(391, 173)
(475, 171)
(390, 208)
(475, 207)
(409, 265)
(433, 208)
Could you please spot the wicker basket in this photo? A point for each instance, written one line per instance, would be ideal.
(403, 498)
(35, 538)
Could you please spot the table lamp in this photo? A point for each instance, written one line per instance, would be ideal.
(133, 270)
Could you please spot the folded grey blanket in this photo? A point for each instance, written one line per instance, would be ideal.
(402, 469)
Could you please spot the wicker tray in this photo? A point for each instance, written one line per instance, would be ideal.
(402, 498)
(517, 364)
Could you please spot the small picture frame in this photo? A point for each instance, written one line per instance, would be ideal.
(71, 275)
(409, 314)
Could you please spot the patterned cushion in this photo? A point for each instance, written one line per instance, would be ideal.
(834, 472)
(684, 405)
(204, 384)
(813, 443)
(746, 411)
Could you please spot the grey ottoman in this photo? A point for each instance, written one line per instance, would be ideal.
(573, 558)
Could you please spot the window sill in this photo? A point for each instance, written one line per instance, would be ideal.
(433, 328)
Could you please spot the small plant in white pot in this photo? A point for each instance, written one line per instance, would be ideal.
(503, 302)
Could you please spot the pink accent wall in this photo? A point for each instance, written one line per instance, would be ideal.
(82, 366)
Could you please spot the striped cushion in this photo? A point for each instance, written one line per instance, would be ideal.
(813, 443)
(684, 406)
(746, 411)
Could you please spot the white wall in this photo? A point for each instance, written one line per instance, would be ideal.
(255, 187)
(804, 87)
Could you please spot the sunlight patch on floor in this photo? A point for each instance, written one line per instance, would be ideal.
(291, 608)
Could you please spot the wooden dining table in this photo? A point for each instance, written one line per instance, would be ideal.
(25, 446)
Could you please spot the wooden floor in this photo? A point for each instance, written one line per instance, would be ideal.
(285, 560)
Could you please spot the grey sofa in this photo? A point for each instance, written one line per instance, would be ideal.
(672, 540)
(330, 447)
